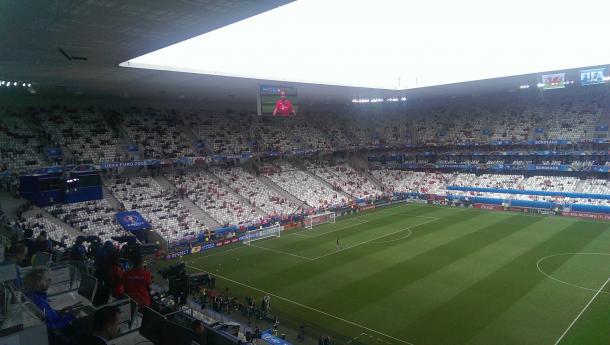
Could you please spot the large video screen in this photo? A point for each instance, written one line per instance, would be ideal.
(271, 98)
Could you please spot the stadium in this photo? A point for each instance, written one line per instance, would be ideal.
(227, 172)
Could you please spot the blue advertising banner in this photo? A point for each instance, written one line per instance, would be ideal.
(132, 221)
(592, 76)
(124, 164)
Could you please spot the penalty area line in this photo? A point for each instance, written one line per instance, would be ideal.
(280, 252)
(307, 307)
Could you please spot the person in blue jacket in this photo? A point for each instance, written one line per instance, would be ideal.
(36, 284)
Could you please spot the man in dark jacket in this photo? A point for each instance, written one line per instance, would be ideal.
(105, 326)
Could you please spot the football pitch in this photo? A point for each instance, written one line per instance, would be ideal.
(430, 275)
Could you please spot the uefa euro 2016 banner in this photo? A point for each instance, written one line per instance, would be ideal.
(132, 221)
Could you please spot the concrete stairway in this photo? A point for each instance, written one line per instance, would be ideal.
(279, 190)
(110, 198)
(195, 210)
(373, 179)
(240, 197)
(326, 183)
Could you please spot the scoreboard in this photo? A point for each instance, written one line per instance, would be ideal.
(553, 81)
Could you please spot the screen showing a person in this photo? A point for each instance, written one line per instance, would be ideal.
(279, 101)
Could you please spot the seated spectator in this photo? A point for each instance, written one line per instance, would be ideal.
(198, 330)
(137, 282)
(36, 284)
(105, 326)
(16, 255)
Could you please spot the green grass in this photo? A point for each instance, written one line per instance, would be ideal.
(431, 275)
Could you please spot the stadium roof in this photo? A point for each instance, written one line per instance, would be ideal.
(108, 32)
(395, 44)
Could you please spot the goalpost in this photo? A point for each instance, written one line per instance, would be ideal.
(259, 234)
(317, 219)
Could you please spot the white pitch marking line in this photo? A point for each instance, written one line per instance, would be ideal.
(408, 214)
(372, 240)
(329, 232)
(281, 252)
(217, 253)
(581, 312)
(409, 233)
(564, 282)
(306, 307)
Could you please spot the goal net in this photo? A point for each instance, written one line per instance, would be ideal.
(317, 219)
(259, 234)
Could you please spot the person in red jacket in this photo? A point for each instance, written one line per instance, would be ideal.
(137, 282)
(283, 107)
(115, 275)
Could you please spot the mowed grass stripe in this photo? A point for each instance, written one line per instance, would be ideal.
(465, 315)
(350, 298)
(359, 264)
(248, 263)
(444, 284)
(329, 270)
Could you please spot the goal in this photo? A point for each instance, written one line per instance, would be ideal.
(317, 219)
(259, 234)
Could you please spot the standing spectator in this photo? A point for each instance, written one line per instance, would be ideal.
(42, 243)
(115, 275)
(78, 252)
(15, 255)
(102, 268)
(28, 240)
(137, 282)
